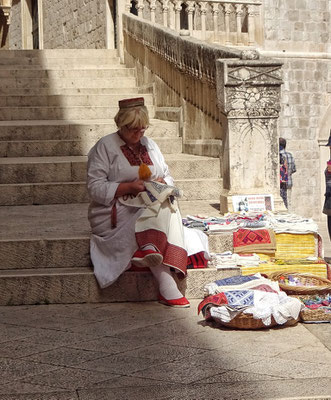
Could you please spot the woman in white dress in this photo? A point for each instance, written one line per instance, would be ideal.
(133, 211)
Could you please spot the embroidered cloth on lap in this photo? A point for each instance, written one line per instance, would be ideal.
(160, 224)
(254, 241)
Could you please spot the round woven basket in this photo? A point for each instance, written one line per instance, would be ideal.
(246, 321)
(309, 283)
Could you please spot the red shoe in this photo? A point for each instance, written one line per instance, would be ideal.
(178, 303)
(147, 258)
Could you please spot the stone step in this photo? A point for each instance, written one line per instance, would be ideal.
(105, 100)
(75, 129)
(66, 91)
(42, 148)
(59, 83)
(60, 113)
(68, 63)
(78, 285)
(75, 192)
(73, 169)
(57, 236)
(57, 74)
(58, 56)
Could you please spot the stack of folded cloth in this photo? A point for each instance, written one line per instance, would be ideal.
(230, 260)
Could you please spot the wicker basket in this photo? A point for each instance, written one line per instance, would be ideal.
(319, 314)
(246, 321)
(311, 284)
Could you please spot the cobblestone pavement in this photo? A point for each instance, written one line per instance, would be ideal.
(150, 351)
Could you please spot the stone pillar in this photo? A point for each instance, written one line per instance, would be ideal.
(248, 93)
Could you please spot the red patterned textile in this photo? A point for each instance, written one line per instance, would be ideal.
(214, 300)
(259, 240)
(197, 260)
(173, 256)
(136, 159)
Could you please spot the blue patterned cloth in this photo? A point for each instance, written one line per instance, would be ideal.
(236, 280)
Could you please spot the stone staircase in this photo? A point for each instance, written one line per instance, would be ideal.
(54, 105)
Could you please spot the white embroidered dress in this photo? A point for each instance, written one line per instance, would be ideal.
(111, 249)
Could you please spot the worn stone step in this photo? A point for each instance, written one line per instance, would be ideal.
(41, 148)
(75, 192)
(60, 113)
(57, 236)
(59, 83)
(73, 168)
(78, 285)
(105, 100)
(75, 129)
(60, 73)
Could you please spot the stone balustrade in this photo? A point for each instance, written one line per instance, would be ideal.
(228, 22)
(228, 102)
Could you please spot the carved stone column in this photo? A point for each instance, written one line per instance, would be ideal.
(248, 93)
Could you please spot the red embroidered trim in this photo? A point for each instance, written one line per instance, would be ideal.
(173, 256)
(136, 159)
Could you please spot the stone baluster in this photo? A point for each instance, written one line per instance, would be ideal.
(171, 15)
(178, 9)
(227, 12)
(203, 10)
(165, 10)
(216, 11)
(152, 7)
(239, 13)
(127, 5)
(251, 24)
(190, 10)
(140, 6)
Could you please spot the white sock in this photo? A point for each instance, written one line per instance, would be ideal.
(149, 247)
(167, 284)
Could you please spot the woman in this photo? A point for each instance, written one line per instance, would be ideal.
(327, 202)
(133, 211)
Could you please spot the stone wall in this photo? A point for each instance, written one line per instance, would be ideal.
(297, 25)
(298, 34)
(74, 24)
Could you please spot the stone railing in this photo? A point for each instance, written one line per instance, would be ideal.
(228, 22)
(228, 102)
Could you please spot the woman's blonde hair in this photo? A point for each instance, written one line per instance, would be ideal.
(134, 117)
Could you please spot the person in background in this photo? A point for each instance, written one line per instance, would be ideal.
(286, 161)
(133, 209)
(327, 202)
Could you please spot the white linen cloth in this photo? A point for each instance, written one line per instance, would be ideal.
(112, 249)
(266, 305)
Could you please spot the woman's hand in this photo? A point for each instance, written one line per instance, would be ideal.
(130, 188)
(137, 187)
(161, 180)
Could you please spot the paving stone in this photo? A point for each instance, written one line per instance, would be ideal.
(21, 387)
(285, 369)
(41, 396)
(22, 348)
(199, 367)
(70, 378)
(11, 370)
(65, 356)
(120, 364)
(162, 352)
